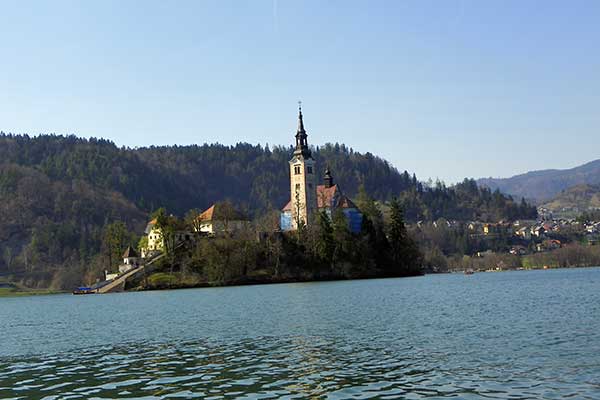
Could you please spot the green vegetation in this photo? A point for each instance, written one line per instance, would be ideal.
(323, 250)
(573, 201)
(10, 290)
(161, 280)
(464, 201)
(575, 255)
(68, 205)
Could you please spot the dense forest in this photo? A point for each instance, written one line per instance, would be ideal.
(59, 193)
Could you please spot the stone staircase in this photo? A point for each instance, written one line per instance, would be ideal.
(118, 284)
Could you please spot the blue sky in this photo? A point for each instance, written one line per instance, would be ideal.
(445, 89)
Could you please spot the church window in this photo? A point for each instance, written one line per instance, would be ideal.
(297, 186)
(309, 170)
(297, 170)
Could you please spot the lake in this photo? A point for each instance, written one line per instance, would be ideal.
(517, 335)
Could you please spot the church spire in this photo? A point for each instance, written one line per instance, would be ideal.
(300, 120)
(301, 136)
(328, 178)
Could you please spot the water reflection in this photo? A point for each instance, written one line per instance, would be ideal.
(518, 336)
(269, 367)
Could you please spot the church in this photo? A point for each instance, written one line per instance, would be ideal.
(307, 197)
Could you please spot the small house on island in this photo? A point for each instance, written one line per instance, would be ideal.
(221, 217)
(131, 260)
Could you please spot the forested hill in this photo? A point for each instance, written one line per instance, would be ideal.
(184, 177)
(57, 193)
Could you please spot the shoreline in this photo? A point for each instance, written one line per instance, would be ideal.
(22, 292)
(260, 282)
(17, 292)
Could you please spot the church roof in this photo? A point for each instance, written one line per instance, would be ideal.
(221, 211)
(150, 226)
(328, 197)
(130, 253)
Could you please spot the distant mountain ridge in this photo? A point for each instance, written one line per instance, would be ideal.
(543, 185)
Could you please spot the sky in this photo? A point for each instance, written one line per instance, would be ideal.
(445, 89)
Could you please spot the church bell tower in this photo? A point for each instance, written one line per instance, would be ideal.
(303, 180)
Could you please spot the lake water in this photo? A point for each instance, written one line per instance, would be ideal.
(517, 335)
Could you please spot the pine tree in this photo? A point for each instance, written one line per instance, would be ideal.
(325, 244)
(404, 254)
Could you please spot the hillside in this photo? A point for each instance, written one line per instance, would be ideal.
(576, 199)
(58, 195)
(545, 184)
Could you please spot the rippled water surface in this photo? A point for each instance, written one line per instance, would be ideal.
(490, 335)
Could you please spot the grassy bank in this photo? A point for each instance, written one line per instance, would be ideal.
(14, 291)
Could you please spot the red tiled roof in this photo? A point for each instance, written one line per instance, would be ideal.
(288, 206)
(150, 226)
(346, 203)
(326, 197)
(220, 211)
(207, 215)
(130, 252)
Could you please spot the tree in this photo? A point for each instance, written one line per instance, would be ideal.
(342, 237)
(268, 227)
(404, 254)
(168, 227)
(325, 243)
(298, 210)
(142, 243)
(372, 230)
(369, 208)
(225, 212)
(193, 221)
(115, 239)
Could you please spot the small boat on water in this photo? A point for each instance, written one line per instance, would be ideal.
(469, 272)
(84, 290)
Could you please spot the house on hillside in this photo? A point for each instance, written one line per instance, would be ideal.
(221, 218)
(548, 245)
(155, 242)
(518, 250)
(490, 229)
(524, 233)
(538, 231)
(154, 235)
